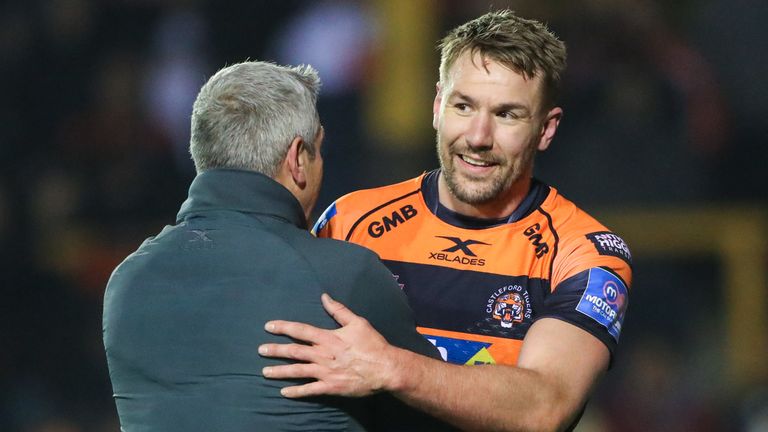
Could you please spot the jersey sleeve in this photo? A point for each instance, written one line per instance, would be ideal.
(590, 285)
(594, 300)
(337, 220)
(327, 225)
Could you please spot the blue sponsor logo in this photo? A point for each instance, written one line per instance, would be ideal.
(456, 351)
(605, 300)
(322, 221)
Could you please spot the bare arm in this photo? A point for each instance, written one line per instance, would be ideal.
(558, 365)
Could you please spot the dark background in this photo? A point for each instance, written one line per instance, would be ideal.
(665, 108)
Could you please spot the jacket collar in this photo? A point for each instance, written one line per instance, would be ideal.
(241, 191)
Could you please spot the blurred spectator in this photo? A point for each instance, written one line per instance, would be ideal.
(112, 140)
(733, 34)
(642, 105)
(337, 38)
(177, 67)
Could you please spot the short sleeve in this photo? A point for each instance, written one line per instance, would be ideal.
(325, 225)
(594, 300)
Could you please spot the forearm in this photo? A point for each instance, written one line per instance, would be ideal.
(557, 367)
(487, 397)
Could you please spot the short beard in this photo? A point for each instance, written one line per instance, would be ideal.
(499, 185)
(470, 195)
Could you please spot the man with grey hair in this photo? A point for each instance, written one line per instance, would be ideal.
(184, 313)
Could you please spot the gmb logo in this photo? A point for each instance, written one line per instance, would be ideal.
(377, 228)
(540, 247)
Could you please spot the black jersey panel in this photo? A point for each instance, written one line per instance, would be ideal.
(470, 302)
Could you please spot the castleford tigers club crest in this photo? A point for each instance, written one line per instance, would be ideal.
(509, 305)
(509, 309)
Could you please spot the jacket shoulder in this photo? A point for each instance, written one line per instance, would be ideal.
(340, 257)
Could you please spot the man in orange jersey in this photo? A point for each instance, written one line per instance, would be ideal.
(499, 268)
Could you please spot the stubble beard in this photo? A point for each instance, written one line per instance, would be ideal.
(477, 191)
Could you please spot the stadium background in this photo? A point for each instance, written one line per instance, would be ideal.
(664, 138)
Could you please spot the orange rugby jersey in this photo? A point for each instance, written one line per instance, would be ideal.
(476, 286)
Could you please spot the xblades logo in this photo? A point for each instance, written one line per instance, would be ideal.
(199, 239)
(459, 245)
(462, 245)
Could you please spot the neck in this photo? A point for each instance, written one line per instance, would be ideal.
(501, 206)
(305, 200)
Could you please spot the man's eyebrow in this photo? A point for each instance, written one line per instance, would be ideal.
(459, 95)
(513, 107)
(509, 106)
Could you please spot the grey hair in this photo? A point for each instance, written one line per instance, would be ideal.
(247, 114)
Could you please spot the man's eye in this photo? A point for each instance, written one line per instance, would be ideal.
(462, 107)
(509, 115)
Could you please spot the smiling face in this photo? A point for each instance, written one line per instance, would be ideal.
(489, 122)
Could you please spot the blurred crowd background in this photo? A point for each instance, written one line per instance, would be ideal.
(664, 137)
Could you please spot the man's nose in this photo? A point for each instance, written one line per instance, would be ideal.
(480, 133)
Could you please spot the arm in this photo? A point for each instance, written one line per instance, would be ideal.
(559, 364)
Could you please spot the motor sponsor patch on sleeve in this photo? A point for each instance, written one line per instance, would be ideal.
(605, 300)
(322, 221)
(608, 243)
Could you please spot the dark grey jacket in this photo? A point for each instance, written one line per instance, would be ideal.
(184, 314)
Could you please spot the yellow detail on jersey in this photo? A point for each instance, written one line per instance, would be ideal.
(482, 357)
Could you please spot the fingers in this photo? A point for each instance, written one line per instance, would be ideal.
(338, 311)
(290, 371)
(317, 388)
(295, 352)
(298, 331)
(314, 388)
(320, 387)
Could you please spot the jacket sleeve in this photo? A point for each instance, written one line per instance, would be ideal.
(376, 296)
(372, 293)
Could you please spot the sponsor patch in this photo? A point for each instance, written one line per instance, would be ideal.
(387, 223)
(462, 245)
(458, 351)
(608, 243)
(473, 348)
(605, 300)
(533, 235)
(324, 218)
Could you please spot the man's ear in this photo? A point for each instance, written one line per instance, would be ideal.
(549, 127)
(295, 162)
(436, 105)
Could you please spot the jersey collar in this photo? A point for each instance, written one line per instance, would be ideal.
(535, 197)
